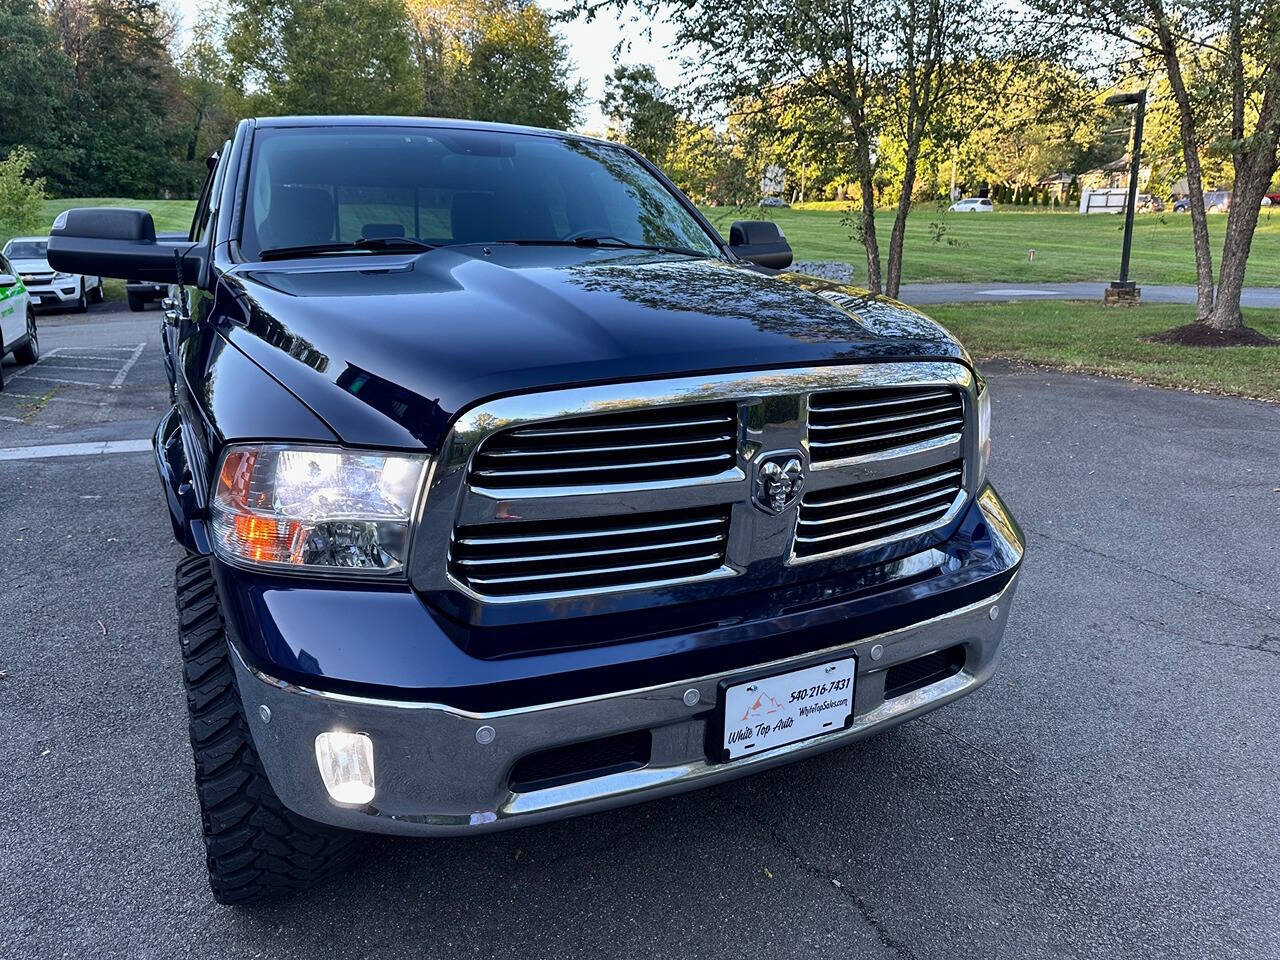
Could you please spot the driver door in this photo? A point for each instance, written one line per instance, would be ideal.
(13, 305)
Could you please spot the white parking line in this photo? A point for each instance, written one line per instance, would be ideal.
(128, 365)
(87, 369)
(74, 383)
(97, 448)
(96, 346)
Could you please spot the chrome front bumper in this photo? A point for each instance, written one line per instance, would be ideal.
(434, 777)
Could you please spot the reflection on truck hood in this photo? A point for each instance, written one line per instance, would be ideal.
(388, 350)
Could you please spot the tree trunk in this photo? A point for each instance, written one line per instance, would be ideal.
(1195, 187)
(1255, 166)
(869, 241)
(893, 279)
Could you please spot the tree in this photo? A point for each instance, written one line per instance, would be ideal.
(21, 199)
(639, 112)
(883, 68)
(38, 114)
(495, 60)
(205, 110)
(322, 56)
(128, 78)
(1212, 60)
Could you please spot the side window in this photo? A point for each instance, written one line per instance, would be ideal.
(204, 206)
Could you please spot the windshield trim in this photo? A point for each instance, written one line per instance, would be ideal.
(236, 251)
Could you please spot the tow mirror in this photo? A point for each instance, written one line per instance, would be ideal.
(7, 279)
(761, 243)
(118, 242)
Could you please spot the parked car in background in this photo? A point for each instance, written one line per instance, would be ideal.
(48, 287)
(971, 205)
(1149, 204)
(1271, 200)
(773, 202)
(1217, 201)
(1182, 205)
(141, 292)
(17, 319)
(510, 491)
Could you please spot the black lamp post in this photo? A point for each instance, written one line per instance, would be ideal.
(1125, 289)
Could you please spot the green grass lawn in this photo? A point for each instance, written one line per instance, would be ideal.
(995, 246)
(1090, 338)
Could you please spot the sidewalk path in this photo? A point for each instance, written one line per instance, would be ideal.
(922, 293)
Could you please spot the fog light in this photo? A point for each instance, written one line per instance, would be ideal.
(346, 765)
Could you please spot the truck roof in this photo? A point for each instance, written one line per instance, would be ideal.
(451, 123)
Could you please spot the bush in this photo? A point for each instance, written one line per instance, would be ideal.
(21, 199)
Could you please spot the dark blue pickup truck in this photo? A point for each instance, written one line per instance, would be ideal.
(510, 491)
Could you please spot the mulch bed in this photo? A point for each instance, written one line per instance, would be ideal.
(1203, 335)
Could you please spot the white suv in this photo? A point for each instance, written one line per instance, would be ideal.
(17, 319)
(47, 287)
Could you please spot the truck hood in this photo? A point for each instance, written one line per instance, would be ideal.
(31, 266)
(388, 350)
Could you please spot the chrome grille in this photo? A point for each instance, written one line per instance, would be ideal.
(558, 556)
(853, 423)
(863, 514)
(655, 445)
(545, 501)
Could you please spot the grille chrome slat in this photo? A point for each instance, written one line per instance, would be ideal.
(871, 528)
(836, 521)
(946, 495)
(950, 426)
(605, 552)
(855, 423)
(871, 404)
(656, 528)
(585, 431)
(913, 415)
(656, 445)
(573, 451)
(900, 488)
(558, 471)
(583, 554)
(587, 574)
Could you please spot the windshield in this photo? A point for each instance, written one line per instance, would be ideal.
(325, 185)
(26, 249)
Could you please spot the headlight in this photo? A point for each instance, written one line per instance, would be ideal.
(62, 276)
(315, 508)
(984, 428)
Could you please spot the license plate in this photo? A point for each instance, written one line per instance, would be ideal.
(774, 711)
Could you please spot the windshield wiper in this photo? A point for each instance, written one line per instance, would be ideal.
(607, 242)
(369, 244)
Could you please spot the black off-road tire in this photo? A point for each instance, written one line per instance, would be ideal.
(29, 352)
(256, 848)
(82, 303)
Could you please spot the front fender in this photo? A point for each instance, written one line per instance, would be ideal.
(186, 511)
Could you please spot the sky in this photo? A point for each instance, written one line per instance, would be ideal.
(591, 47)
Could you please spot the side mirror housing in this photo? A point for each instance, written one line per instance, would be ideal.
(760, 242)
(7, 279)
(118, 242)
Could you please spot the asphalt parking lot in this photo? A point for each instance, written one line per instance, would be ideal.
(1112, 793)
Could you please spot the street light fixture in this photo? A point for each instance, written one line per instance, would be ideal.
(1125, 290)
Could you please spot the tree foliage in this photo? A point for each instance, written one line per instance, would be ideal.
(21, 197)
(495, 60)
